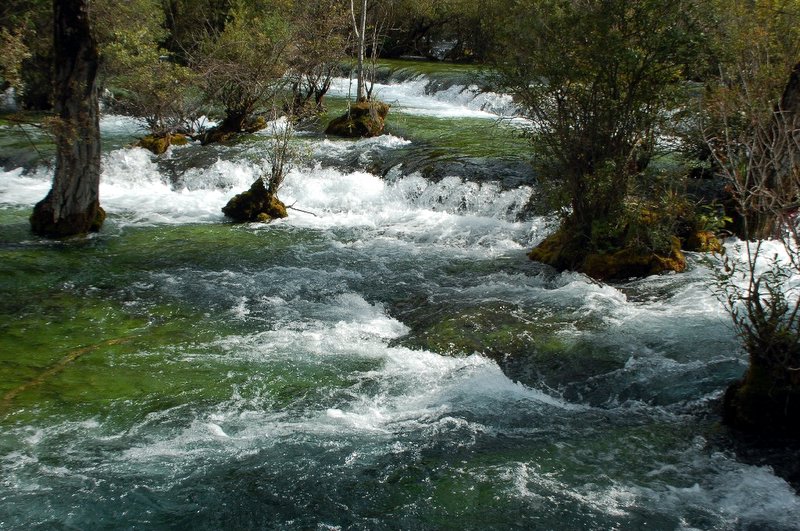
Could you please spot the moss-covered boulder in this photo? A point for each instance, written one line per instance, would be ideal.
(229, 128)
(216, 135)
(254, 124)
(45, 223)
(363, 119)
(159, 144)
(765, 403)
(617, 264)
(255, 205)
(703, 241)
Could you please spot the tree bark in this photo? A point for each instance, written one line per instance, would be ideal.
(72, 206)
(360, 31)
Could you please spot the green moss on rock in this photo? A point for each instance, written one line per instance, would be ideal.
(764, 403)
(363, 119)
(612, 265)
(159, 144)
(44, 223)
(703, 241)
(255, 205)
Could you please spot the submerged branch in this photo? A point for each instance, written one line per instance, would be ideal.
(8, 398)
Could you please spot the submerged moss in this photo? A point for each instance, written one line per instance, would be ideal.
(72, 348)
(530, 347)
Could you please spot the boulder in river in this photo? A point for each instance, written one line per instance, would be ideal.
(256, 204)
(362, 119)
(159, 144)
(766, 402)
(618, 264)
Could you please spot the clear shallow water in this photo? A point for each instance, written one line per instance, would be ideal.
(393, 361)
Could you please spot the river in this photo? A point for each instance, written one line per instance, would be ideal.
(385, 358)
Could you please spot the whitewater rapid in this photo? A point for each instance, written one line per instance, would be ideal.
(287, 394)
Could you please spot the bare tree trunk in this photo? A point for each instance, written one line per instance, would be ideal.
(72, 206)
(361, 35)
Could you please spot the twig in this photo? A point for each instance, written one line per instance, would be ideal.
(19, 123)
(292, 207)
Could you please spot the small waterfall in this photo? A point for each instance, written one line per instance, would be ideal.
(8, 100)
(421, 94)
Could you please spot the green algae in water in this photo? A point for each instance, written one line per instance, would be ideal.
(79, 353)
(87, 324)
(432, 68)
(75, 335)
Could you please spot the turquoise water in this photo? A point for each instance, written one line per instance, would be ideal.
(389, 360)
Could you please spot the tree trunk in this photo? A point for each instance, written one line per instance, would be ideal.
(72, 206)
(361, 34)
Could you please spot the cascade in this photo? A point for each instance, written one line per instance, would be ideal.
(388, 358)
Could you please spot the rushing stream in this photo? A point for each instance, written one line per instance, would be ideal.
(385, 358)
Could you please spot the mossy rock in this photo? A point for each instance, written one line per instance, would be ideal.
(216, 135)
(703, 241)
(255, 205)
(551, 251)
(613, 265)
(254, 124)
(628, 262)
(159, 144)
(99, 219)
(44, 223)
(763, 404)
(363, 119)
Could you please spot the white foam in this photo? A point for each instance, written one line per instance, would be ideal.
(18, 188)
(132, 186)
(733, 493)
(413, 97)
(362, 149)
(451, 212)
(119, 124)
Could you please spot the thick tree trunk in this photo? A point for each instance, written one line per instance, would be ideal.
(72, 206)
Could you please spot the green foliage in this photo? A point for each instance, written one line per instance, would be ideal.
(712, 218)
(320, 29)
(419, 27)
(188, 23)
(14, 53)
(26, 40)
(748, 142)
(147, 83)
(598, 80)
(242, 66)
